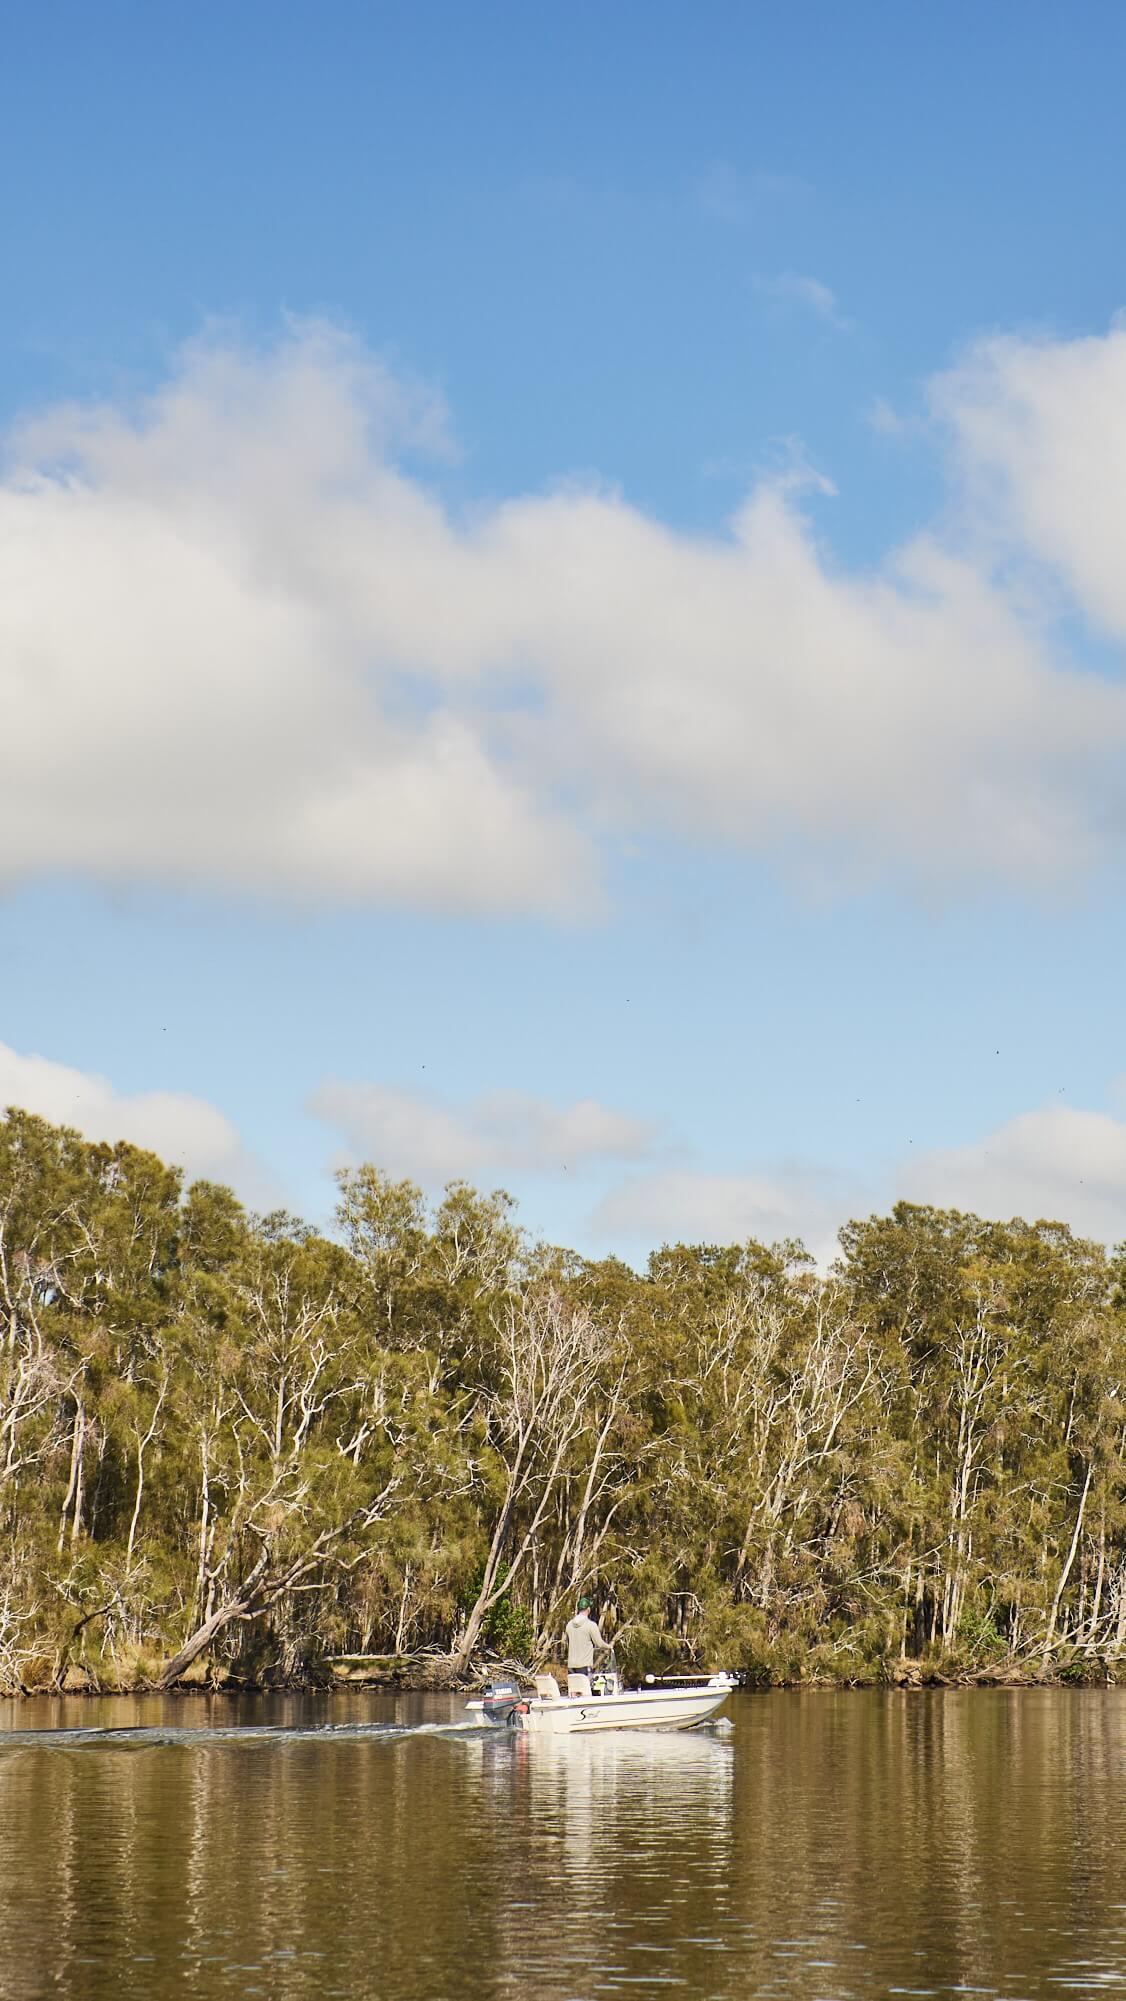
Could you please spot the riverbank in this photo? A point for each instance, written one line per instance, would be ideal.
(434, 1674)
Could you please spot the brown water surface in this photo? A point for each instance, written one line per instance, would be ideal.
(828, 1847)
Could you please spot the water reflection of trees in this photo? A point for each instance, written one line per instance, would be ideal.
(838, 1845)
(933, 1841)
(414, 1868)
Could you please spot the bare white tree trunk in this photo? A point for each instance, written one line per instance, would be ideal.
(1065, 1573)
(143, 1443)
(73, 1494)
(552, 1357)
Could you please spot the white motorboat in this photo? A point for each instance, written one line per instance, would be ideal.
(599, 1702)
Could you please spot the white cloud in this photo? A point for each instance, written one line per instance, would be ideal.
(243, 645)
(795, 289)
(185, 1131)
(689, 1206)
(888, 422)
(199, 684)
(407, 1133)
(1054, 1164)
(1040, 429)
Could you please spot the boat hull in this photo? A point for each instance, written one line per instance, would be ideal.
(628, 1709)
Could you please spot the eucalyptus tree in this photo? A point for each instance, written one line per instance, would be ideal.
(230, 1435)
(1009, 1379)
(307, 1435)
(552, 1388)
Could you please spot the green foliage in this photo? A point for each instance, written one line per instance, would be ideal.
(229, 1444)
(978, 1636)
(508, 1630)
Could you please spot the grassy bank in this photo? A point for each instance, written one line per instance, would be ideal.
(413, 1674)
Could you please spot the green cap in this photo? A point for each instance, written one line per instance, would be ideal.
(584, 1604)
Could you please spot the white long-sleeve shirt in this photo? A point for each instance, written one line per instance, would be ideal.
(582, 1638)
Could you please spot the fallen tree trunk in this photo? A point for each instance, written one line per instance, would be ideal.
(256, 1595)
(263, 1586)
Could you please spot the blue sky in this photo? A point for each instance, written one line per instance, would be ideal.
(562, 603)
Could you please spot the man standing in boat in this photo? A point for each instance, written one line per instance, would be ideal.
(583, 1637)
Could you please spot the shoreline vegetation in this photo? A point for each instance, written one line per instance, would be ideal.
(405, 1676)
(239, 1454)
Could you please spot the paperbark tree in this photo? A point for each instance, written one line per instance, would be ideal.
(551, 1354)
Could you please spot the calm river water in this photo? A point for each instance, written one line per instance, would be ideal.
(364, 1846)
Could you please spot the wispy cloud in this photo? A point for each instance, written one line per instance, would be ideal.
(502, 1132)
(1056, 1163)
(1053, 1162)
(889, 422)
(792, 288)
(731, 194)
(688, 1205)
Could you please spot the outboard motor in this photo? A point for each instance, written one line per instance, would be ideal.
(501, 1699)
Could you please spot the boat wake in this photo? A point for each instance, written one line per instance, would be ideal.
(147, 1737)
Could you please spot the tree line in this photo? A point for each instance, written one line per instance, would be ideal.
(233, 1445)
